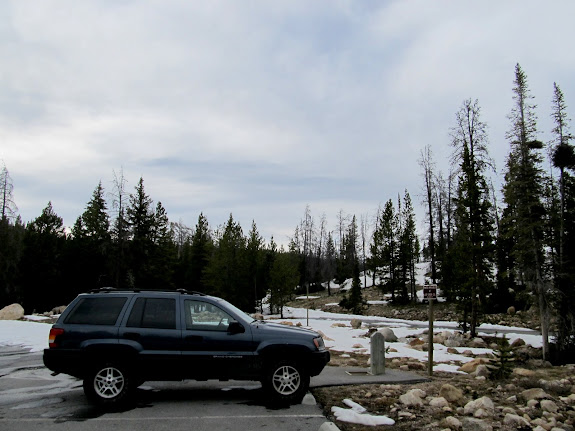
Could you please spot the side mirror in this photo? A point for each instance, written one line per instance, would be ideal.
(236, 328)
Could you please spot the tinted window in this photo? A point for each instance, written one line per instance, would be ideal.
(153, 313)
(202, 316)
(97, 311)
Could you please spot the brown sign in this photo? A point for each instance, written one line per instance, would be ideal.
(430, 291)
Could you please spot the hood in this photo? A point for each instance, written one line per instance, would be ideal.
(286, 330)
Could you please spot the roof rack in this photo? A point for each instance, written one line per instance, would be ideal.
(136, 290)
(103, 289)
(190, 292)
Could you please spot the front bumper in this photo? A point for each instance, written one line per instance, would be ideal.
(318, 361)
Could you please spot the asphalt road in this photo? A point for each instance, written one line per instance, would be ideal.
(32, 399)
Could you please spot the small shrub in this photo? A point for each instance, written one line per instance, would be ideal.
(502, 367)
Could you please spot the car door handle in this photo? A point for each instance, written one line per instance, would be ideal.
(132, 336)
(194, 338)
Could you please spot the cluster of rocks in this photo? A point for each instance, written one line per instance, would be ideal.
(531, 409)
(16, 312)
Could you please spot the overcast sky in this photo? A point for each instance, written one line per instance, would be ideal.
(259, 108)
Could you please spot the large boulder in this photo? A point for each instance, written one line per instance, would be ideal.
(388, 335)
(413, 398)
(451, 393)
(473, 424)
(516, 421)
(480, 408)
(471, 366)
(12, 312)
(356, 323)
(533, 394)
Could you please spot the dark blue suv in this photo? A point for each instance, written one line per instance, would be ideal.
(116, 340)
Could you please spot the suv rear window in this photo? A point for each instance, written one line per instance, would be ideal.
(96, 311)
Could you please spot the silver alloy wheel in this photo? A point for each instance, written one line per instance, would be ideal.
(286, 380)
(109, 382)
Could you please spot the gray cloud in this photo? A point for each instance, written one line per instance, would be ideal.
(259, 108)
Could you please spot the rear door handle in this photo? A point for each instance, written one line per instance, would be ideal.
(194, 338)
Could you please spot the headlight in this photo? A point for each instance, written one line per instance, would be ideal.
(319, 344)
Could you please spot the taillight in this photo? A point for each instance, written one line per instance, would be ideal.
(54, 332)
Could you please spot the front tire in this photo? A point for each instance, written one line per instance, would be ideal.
(108, 385)
(286, 382)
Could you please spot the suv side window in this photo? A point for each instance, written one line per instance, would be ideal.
(96, 311)
(159, 313)
(203, 316)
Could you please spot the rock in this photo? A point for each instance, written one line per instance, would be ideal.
(452, 350)
(533, 394)
(549, 406)
(471, 366)
(482, 407)
(416, 342)
(509, 410)
(452, 423)
(413, 398)
(523, 372)
(356, 323)
(388, 335)
(61, 308)
(455, 340)
(12, 312)
(325, 337)
(516, 421)
(472, 424)
(481, 371)
(511, 310)
(451, 393)
(478, 342)
(518, 343)
(438, 402)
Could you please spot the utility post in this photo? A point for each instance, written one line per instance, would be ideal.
(430, 293)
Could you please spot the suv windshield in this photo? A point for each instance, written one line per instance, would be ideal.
(242, 316)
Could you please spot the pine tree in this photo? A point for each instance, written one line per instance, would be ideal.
(42, 265)
(329, 265)
(524, 215)
(91, 243)
(140, 217)
(226, 272)
(201, 251)
(408, 249)
(385, 248)
(471, 255)
(564, 159)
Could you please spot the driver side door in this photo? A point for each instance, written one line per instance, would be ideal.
(209, 349)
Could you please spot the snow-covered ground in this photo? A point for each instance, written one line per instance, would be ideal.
(339, 334)
(339, 337)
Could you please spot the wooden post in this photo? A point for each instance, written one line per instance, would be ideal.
(377, 354)
(430, 340)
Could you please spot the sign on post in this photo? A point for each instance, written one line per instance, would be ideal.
(430, 291)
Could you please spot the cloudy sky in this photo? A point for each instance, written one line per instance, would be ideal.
(259, 108)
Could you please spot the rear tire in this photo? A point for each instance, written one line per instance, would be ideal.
(108, 385)
(286, 382)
